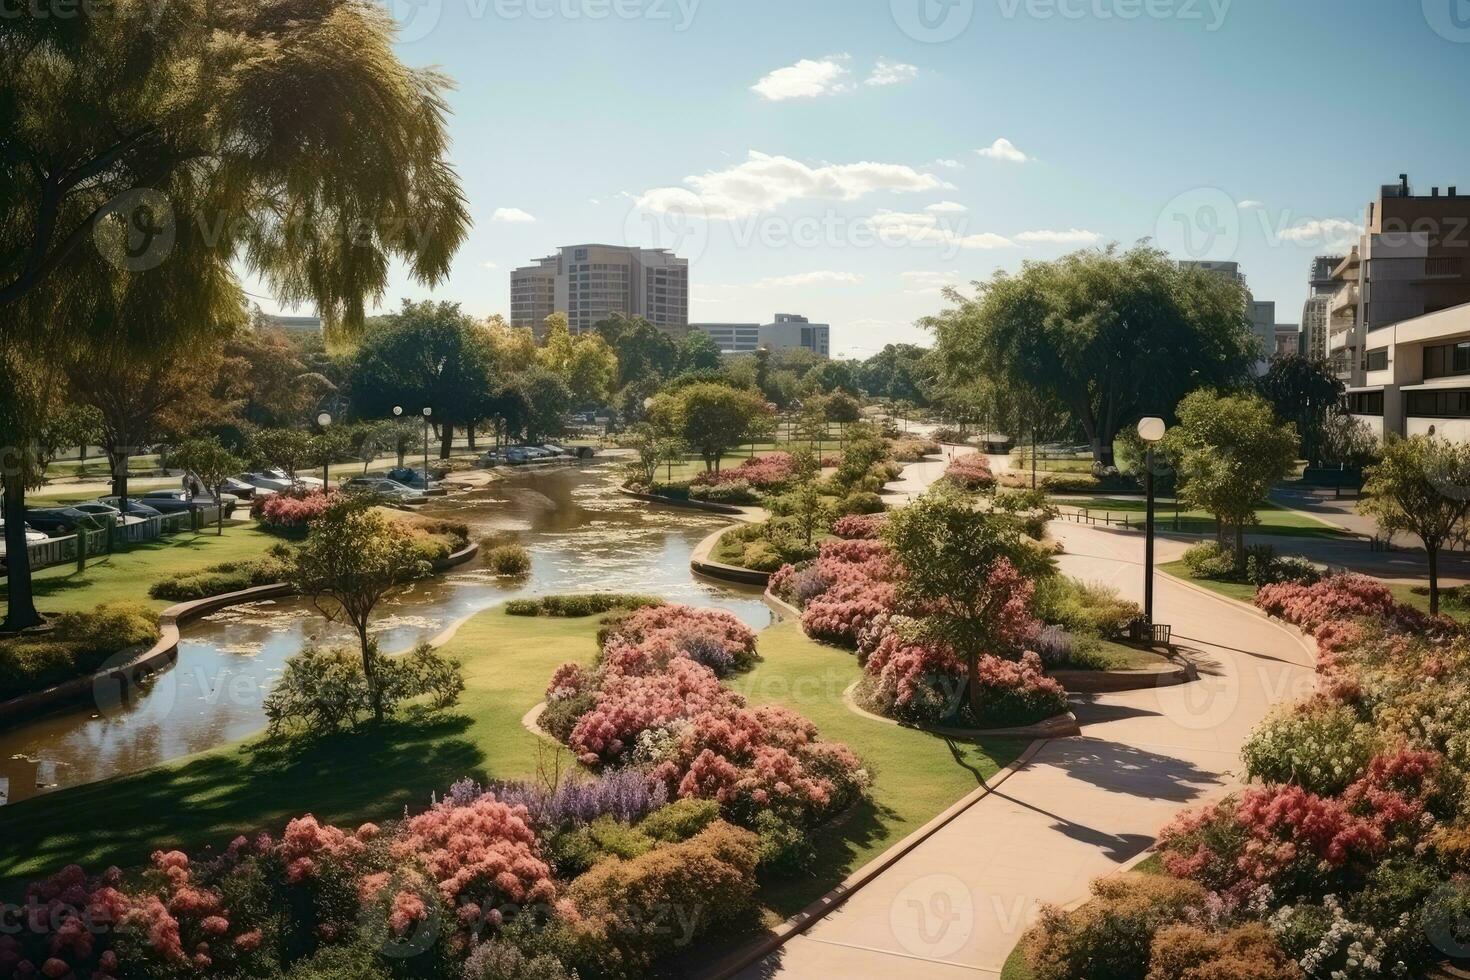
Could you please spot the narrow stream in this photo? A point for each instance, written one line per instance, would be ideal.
(583, 537)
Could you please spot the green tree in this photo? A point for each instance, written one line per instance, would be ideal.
(644, 352)
(586, 363)
(331, 445)
(712, 419)
(289, 450)
(426, 355)
(698, 352)
(225, 131)
(956, 559)
(831, 376)
(1422, 486)
(351, 562)
(212, 463)
(1112, 335)
(809, 509)
(899, 372)
(1228, 451)
(547, 402)
(1305, 391)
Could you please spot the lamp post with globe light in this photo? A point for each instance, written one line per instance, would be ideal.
(1150, 430)
(427, 413)
(324, 420)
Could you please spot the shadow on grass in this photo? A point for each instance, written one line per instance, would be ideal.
(371, 774)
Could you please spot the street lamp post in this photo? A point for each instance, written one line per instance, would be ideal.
(398, 446)
(427, 412)
(1150, 430)
(325, 420)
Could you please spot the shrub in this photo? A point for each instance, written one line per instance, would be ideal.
(1081, 607)
(970, 472)
(785, 849)
(773, 471)
(737, 493)
(625, 795)
(1109, 938)
(579, 606)
(711, 877)
(502, 961)
(1320, 746)
(523, 607)
(324, 690)
(866, 527)
(1249, 952)
(1338, 597)
(78, 644)
(914, 450)
(760, 556)
(293, 509)
(1210, 560)
(860, 502)
(234, 576)
(509, 560)
(712, 637)
(680, 820)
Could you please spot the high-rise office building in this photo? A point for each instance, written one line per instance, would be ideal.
(590, 282)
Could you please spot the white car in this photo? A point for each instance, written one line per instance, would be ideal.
(387, 489)
(264, 481)
(305, 481)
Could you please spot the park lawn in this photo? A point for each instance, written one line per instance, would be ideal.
(209, 798)
(916, 775)
(125, 576)
(1274, 519)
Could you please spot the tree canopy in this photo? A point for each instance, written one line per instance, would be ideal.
(1422, 486)
(711, 418)
(1112, 335)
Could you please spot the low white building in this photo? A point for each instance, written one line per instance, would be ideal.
(1416, 377)
(787, 331)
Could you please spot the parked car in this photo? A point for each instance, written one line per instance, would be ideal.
(490, 459)
(262, 481)
(59, 521)
(410, 477)
(136, 508)
(387, 489)
(99, 509)
(32, 535)
(238, 486)
(516, 455)
(537, 453)
(305, 481)
(556, 450)
(174, 501)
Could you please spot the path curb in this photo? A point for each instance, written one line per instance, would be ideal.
(702, 564)
(1064, 725)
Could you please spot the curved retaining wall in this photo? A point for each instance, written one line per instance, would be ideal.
(116, 683)
(703, 505)
(702, 564)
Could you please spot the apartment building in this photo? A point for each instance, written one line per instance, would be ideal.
(1321, 286)
(787, 330)
(1261, 313)
(1288, 339)
(1413, 259)
(590, 282)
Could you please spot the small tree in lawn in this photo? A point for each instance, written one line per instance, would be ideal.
(963, 566)
(712, 418)
(212, 463)
(352, 561)
(1422, 486)
(1228, 451)
(808, 509)
(289, 450)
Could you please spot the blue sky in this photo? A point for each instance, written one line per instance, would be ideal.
(821, 156)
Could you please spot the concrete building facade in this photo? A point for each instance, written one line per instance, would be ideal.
(1315, 312)
(590, 282)
(786, 331)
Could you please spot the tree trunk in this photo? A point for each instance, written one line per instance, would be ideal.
(470, 431)
(219, 510)
(118, 460)
(1240, 547)
(974, 687)
(446, 441)
(370, 672)
(1433, 554)
(20, 609)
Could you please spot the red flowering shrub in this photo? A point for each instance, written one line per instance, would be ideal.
(292, 510)
(970, 472)
(865, 527)
(712, 637)
(629, 704)
(1335, 598)
(769, 472)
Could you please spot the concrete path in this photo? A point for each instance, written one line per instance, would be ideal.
(956, 905)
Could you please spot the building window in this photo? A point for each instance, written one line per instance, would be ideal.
(1447, 360)
(1439, 404)
(1365, 403)
(1376, 360)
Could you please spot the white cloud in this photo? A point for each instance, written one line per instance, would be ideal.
(1250, 205)
(513, 216)
(1324, 232)
(887, 72)
(1003, 149)
(898, 226)
(926, 282)
(947, 207)
(816, 277)
(764, 181)
(807, 79)
(593, 201)
(949, 164)
(1072, 236)
(488, 265)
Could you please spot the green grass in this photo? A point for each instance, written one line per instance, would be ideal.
(1016, 968)
(1114, 655)
(916, 775)
(1243, 591)
(125, 576)
(209, 798)
(1274, 519)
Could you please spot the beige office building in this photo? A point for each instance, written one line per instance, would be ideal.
(590, 282)
(1315, 311)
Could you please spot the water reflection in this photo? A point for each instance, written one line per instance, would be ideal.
(583, 536)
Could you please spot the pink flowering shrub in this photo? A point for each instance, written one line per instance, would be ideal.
(866, 527)
(292, 510)
(1337, 598)
(769, 472)
(712, 637)
(970, 472)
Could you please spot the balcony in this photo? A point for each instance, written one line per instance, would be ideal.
(1344, 300)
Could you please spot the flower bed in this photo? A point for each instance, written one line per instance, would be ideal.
(769, 472)
(1347, 856)
(970, 472)
(290, 511)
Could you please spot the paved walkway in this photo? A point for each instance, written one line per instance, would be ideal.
(956, 905)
